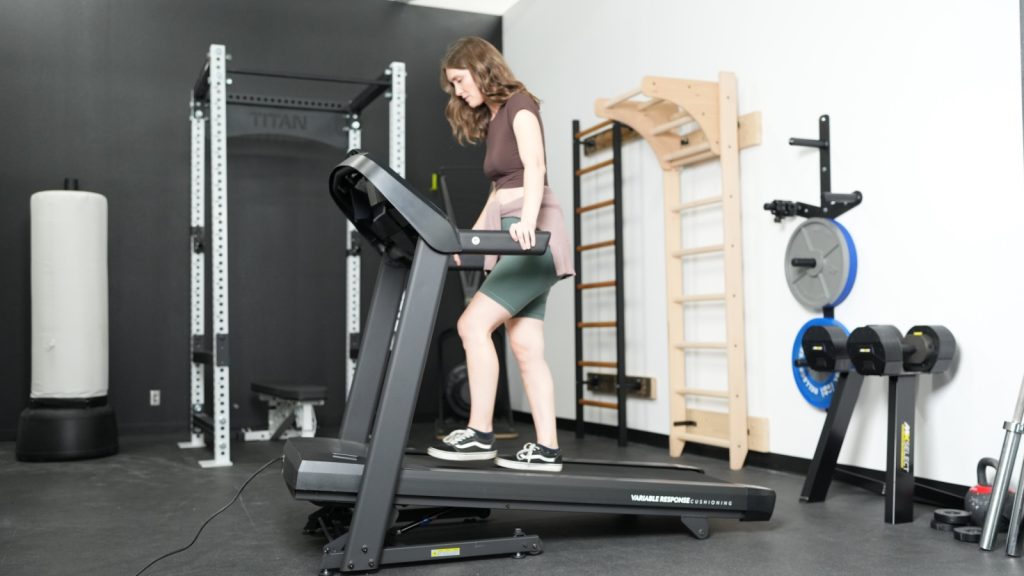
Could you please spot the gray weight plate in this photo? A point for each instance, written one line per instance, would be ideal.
(823, 241)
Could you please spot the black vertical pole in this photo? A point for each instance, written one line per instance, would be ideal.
(620, 288)
(578, 261)
(899, 471)
(824, 157)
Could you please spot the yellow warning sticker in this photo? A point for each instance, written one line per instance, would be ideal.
(445, 552)
(905, 447)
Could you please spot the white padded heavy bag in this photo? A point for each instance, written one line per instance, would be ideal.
(69, 295)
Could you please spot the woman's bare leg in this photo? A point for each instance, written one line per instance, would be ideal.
(526, 337)
(477, 323)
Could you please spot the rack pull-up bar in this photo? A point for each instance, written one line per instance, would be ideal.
(309, 77)
(373, 90)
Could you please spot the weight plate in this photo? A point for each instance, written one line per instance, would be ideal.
(967, 533)
(941, 526)
(816, 387)
(829, 259)
(851, 275)
(953, 516)
(456, 392)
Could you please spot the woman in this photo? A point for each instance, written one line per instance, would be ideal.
(488, 103)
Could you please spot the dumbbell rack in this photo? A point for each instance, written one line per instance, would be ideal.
(828, 349)
(899, 478)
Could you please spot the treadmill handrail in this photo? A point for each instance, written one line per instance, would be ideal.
(498, 242)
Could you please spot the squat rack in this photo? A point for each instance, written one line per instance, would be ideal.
(333, 123)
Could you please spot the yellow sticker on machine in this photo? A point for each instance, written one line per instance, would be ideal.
(445, 552)
(905, 447)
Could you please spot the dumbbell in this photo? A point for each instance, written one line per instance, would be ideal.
(825, 349)
(880, 350)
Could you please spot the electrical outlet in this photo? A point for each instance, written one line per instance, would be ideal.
(154, 397)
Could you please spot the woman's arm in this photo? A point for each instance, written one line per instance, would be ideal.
(530, 142)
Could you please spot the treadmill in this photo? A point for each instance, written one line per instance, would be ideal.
(368, 470)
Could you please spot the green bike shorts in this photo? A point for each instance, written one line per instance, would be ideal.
(520, 284)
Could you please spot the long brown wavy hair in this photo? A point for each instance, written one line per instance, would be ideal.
(492, 76)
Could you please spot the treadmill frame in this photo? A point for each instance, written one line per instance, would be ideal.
(383, 398)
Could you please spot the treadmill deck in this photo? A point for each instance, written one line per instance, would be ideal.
(315, 471)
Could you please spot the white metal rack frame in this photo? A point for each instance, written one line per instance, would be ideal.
(209, 105)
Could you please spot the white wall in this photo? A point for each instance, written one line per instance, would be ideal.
(925, 100)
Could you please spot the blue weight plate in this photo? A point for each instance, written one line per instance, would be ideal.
(816, 387)
(852, 275)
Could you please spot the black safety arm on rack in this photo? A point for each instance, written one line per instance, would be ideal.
(832, 205)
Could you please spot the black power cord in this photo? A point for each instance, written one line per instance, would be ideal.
(215, 514)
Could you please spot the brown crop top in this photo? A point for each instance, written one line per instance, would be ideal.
(502, 163)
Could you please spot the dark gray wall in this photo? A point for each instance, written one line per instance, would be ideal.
(98, 90)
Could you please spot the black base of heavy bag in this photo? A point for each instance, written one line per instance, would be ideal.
(52, 430)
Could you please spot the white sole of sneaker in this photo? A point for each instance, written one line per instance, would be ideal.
(538, 466)
(461, 456)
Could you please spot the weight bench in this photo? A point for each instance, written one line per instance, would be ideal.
(290, 410)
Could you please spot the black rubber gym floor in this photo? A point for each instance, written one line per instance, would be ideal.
(115, 515)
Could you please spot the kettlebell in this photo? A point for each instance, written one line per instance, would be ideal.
(977, 499)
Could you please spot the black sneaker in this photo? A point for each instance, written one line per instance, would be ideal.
(532, 457)
(463, 445)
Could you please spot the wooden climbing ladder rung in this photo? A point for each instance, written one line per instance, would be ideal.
(592, 129)
(718, 136)
(592, 285)
(703, 393)
(703, 439)
(688, 151)
(597, 364)
(623, 97)
(595, 245)
(709, 201)
(608, 324)
(693, 159)
(595, 206)
(676, 123)
(595, 167)
(598, 404)
(698, 298)
(698, 251)
(616, 133)
(701, 346)
(649, 103)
